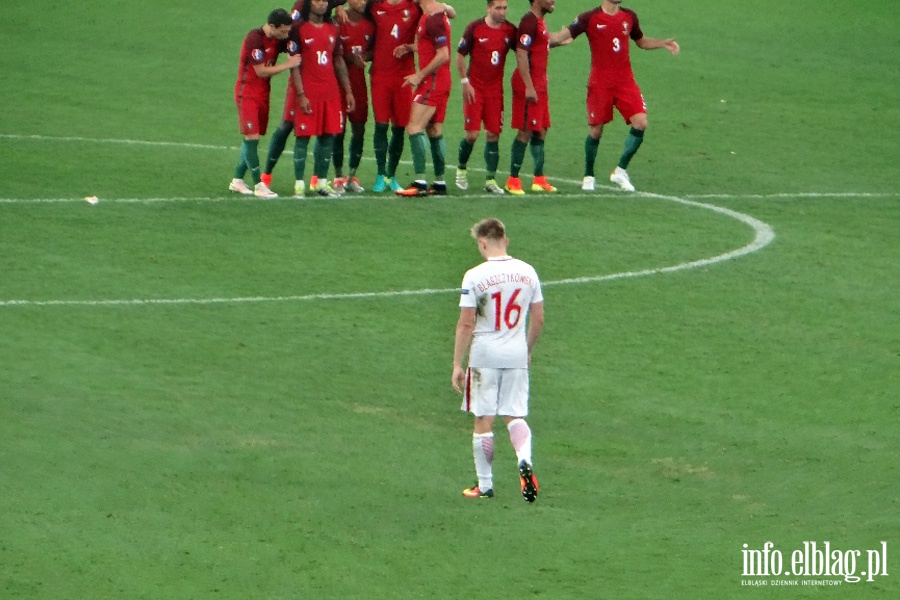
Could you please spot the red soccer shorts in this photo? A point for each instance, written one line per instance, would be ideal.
(326, 118)
(253, 115)
(530, 116)
(433, 97)
(290, 104)
(484, 109)
(391, 101)
(601, 98)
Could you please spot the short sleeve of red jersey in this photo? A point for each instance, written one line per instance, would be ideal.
(435, 30)
(636, 32)
(292, 44)
(528, 30)
(580, 24)
(256, 47)
(467, 41)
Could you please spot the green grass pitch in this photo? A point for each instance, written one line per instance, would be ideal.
(204, 396)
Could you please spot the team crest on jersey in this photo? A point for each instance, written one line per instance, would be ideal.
(257, 54)
(330, 39)
(406, 15)
(525, 40)
(249, 126)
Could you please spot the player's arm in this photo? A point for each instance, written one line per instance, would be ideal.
(443, 7)
(562, 37)
(535, 325)
(441, 58)
(465, 327)
(265, 71)
(468, 91)
(669, 44)
(524, 69)
(340, 70)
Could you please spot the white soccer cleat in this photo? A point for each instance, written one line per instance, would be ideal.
(238, 185)
(462, 179)
(353, 186)
(587, 184)
(620, 178)
(339, 184)
(262, 191)
(323, 190)
(299, 188)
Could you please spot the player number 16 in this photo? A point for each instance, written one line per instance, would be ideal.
(510, 315)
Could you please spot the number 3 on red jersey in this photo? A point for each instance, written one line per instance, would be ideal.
(510, 315)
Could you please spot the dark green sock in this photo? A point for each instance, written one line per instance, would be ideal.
(323, 152)
(252, 159)
(590, 155)
(395, 149)
(465, 151)
(632, 143)
(517, 155)
(417, 147)
(438, 156)
(338, 156)
(277, 143)
(491, 158)
(241, 169)
(380, 142)
(537, 155)
(301, 147)
(356, 150)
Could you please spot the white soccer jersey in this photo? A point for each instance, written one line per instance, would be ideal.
(501, 291)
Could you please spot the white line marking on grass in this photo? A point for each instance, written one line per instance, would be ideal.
(763, 236)
(53, 138)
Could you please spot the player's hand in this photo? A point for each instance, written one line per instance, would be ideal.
(530, 94)
(351, 102)
(304, 105)
(402, 50)
(441, 7)
(340, 14)
(468, 93)
(294, 60)
(458, 379)
(413, 80)
(672, 46)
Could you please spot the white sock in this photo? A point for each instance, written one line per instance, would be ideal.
(520, 436)
(483, 451)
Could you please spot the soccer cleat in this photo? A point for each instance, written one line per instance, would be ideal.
(416, 188)
(323, 190)
(338, 184)
(587, 184)
(238, 185)
(262, 191)
(313, 182)
(491, 187)
(266, 178)
(514, 186)
(353, 185)
(381, 184)
(299, 189)
(437, 189)
(394, 184)
(620, 178)
(542, 185)
(475, 492)
(529, 481)
(462, 179)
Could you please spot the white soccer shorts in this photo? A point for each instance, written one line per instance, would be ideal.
(491, 392)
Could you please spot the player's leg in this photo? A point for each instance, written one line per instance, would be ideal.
(280, 135)
(634, 110)
(520, 142)
(540, 124)
(328, 126)
(401, 105)
(381, 108)
(415, 128)
(435, 132)
(492, 116)
(357, 138)
(480, 397)
(472, 120)
(513, 404)
(301, 149)
(599, 104)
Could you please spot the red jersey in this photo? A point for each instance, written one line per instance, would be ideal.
(534, 39)
(395, 24)
(319, 44)
(488, 47)
(608, 36)
(257, 49)
(432, 34)
(357, 38)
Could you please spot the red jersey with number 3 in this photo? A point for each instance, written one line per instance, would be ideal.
(395, 24)
(609, 38)
(319, 44)
(487, 48)
(534, 39)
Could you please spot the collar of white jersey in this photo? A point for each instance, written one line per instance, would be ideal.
(504, 257)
